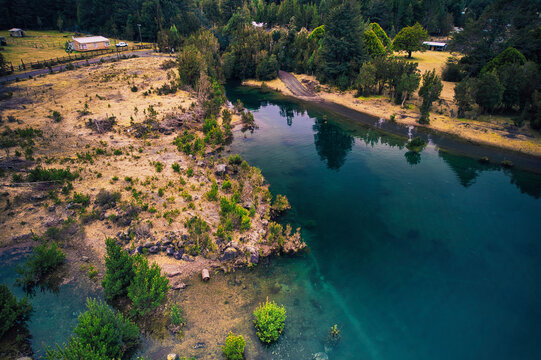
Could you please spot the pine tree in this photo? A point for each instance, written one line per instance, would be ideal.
(148, 289)
(119, 271)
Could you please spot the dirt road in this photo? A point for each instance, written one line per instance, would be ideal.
(294, 85)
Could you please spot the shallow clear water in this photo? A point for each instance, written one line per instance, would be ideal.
(55, 313)
(437, 257)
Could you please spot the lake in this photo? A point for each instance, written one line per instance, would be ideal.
(414, 256)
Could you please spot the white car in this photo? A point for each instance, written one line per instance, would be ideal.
(121, 44)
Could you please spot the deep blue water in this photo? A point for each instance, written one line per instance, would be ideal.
(430, 257)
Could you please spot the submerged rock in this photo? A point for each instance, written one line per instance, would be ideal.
(320, 356)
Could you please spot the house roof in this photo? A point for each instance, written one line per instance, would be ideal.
(90, 39)
(433, 43)
(15, 29)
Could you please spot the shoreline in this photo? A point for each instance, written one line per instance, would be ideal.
(445, 141)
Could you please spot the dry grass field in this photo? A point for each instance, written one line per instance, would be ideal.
(39, 45)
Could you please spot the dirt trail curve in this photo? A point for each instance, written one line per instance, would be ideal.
(295, 86)
(57, 68)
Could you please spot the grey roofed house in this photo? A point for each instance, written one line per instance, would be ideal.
(437, 46)
(16, 32)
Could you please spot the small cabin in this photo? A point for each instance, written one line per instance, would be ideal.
(16, 32)
(435, 46)
(90, 43)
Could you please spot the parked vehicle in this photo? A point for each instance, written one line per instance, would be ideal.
(121, 44)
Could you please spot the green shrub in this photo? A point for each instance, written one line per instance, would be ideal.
(56, 116)
(82, 199)
(280, 203)
(226, 186)
(13, 313)
(159, 166)
(235, 159)
(176, 167)
(233, 215)
(269, 321)
(234, 347)
(119, 271)
(198, 236)
(59, 175)
(101, 333)
(212, 195)
(176, 315)
(416, 144)
(46, 258)
(148, 288)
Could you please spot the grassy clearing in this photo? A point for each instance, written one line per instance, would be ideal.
(429, 60)
(39, 45)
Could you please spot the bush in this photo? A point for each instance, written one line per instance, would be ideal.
(59, 175)
(176, 167)
(280, 204)
(13, 313)
(46, 258)
(269, 321)
(101, 333)
(176, 315)
(134, 88)
(197, 235)
(212, 195)
(149, 287)
(416, 144)
(56, 116)
(234, 347)
(235, 159)
(119, 271)
(109, 198)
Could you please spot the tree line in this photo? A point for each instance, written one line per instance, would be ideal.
(119, 18)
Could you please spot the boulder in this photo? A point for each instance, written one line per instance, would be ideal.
(148, 244)
(51, 208)
(153, 249)
(171, 270)
(230, 253)
(170, 251)
(220, 169)
(172, 356)
(74, 206)
(177, 255)
(187, 257)
(53, 221)
(179, 285)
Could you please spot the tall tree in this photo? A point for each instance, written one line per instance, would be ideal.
(410, 39)
(430, 91)
(341, 48)
(118, 271)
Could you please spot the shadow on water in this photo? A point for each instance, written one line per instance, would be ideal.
(415, 255)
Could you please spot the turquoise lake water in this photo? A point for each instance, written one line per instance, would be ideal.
(55, 312)
(415, 257)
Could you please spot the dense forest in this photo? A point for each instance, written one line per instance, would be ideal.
(345, 43)
(120, 17)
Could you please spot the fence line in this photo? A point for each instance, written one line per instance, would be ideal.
(75, 57)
